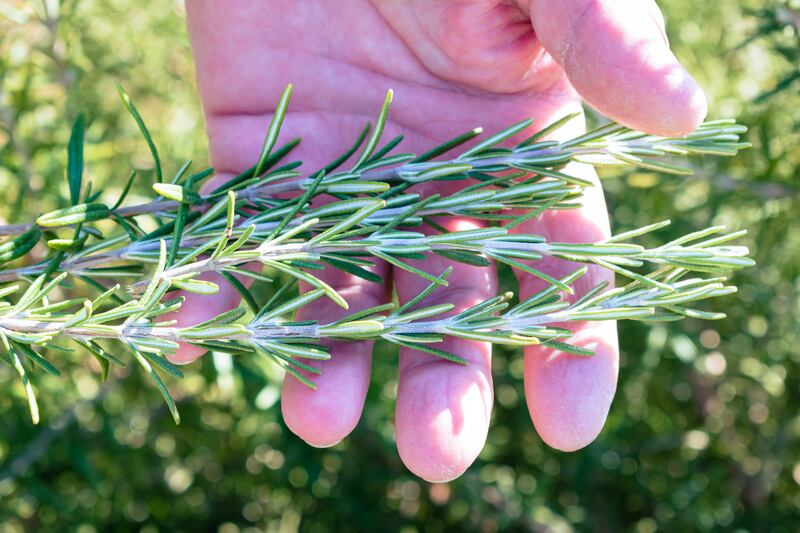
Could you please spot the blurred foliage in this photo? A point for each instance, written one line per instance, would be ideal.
(704, 433)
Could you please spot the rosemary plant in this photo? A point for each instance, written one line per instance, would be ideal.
(371, 217)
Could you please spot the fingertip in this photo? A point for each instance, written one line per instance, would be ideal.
(616, 56)
(645, 88)
(692, 110)
(442, 419)
(569, 396)
(318, 424)
(325, 416)
(186, 354)
(671, 103)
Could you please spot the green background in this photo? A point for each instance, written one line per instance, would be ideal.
(704, 433)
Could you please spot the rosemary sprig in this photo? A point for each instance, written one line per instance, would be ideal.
(372, 217)
(31, 323)
(609, 145)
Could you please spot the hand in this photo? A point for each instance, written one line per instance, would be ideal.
(454, 65)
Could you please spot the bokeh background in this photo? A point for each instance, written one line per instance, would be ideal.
(704, 433)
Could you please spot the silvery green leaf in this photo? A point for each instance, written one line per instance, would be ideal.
(126, 100)
(196, 286)
(273, 130)
(295, 350)
(177, 193)
(76, 214)
(173, 409)
(33, 406)
(213, 332)
(425, 312)
(377, 131)
(356, 329)
(20, 245)
(497, 138)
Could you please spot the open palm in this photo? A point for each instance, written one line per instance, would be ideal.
(454, 65)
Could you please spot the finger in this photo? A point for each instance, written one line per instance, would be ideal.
(324, 416)
(569, 396)
(235, 141)
(616, 55)
(443, 409)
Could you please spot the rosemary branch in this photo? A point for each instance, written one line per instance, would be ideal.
(372, 217)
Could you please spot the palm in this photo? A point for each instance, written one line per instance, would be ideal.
(453, 66)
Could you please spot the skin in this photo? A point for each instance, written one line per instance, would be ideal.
(454, 65)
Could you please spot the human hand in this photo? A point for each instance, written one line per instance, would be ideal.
(454, 65)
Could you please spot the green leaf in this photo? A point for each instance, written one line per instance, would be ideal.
(177, 235)
(164, 364)
(196, 286)
(20, 245)
(356, 187)
(299, 377)
(173, 409)
(425, 312)
(532, 271)
(33, 406)
(104, 366)
(11, 289)
(155, 280)
(448, 145)
(364, 313)
(651, 165)
(637, 232)
(463, 256)
(101, 354)
(46, 365)
(358, 329)
(311, 280)
(336, 163)
(439, 171)
(223, 318)
(547, 130)
(429, 349)
(275, 235)
(273, 130)
(380, 158)
(36, 290)
(75, 159)
(181, 171)
(377, 131)
(350, 268)
(100, 287)
(154, 345)
(350, 221)
(405, 266)
(296, 350)
(568, 348)
(274, 158)
(597, 133)
(497, 138)
(213, 332)
(290, 306)
(177, 193)
(67, 245)
(424, 293)
(76, 214)
(126, 100)
(239, 242)
(242, 290)
(229, 220)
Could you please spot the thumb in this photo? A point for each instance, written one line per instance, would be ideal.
(615, 53)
